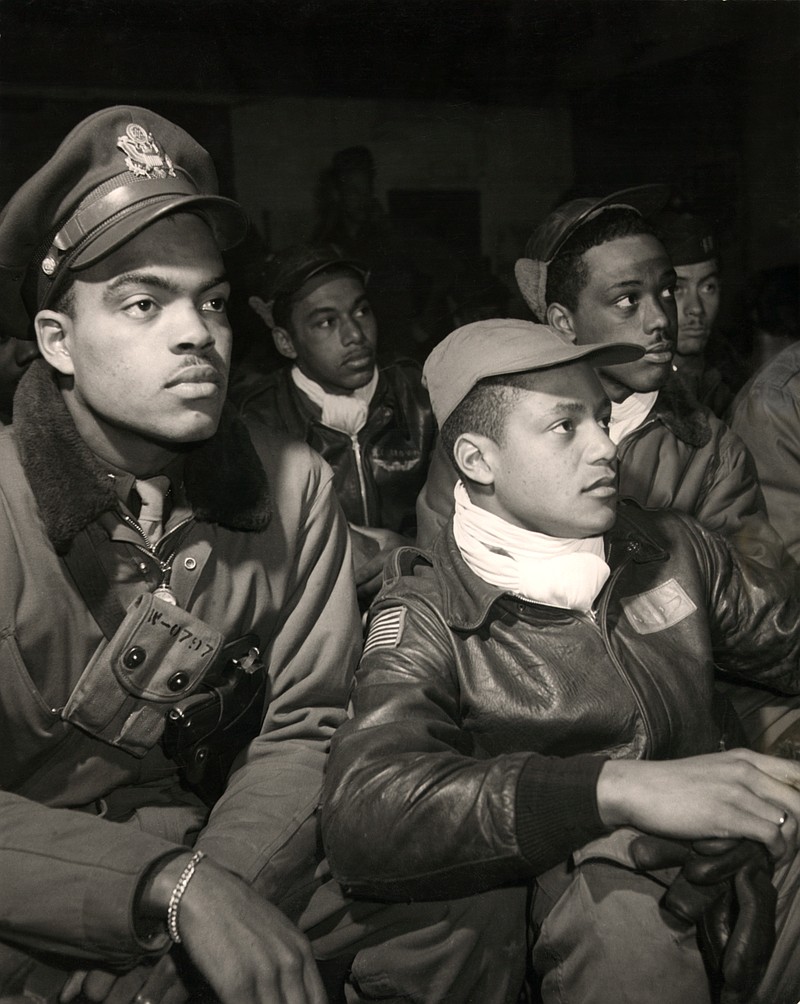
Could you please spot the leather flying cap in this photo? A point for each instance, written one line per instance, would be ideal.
(556, 229)
(118, 171)
(689, 239)
(289, 270)
(503, 346)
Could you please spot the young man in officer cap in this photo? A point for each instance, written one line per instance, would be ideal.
(594, 270)
(112, 252)
(149, 549)
(533, 703)
(372, 424)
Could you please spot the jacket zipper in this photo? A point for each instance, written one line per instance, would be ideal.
(600, 624)
(361, 480)
(165, 565)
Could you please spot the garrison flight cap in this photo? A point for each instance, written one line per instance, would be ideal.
(287, 271)
(688, 238)
(503, 346)
(118, 171)
(548, 239)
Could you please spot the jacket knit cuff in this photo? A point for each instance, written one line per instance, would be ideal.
(556, 808)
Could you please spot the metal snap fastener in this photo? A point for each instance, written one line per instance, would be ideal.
(190, 563)
(134, 657)
(178, 681)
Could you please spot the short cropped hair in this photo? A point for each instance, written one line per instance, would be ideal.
(568, 274)
(485, 410)
(65, 301)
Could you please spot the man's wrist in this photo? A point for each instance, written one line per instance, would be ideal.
(158, 885)
(610, 801)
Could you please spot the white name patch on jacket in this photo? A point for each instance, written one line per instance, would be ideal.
(386, 629)
(659, 608)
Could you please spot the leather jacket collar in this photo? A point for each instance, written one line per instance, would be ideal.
(224, 480)
(681, 414)
(466, 599)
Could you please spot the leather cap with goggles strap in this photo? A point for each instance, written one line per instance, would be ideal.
(549, 238)
(117, 172)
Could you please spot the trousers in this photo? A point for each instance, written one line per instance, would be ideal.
(602, 935)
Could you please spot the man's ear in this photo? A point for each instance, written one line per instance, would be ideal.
(283, 343)
(474, 456)
(53, 334)
(263, 309)
(561, 321)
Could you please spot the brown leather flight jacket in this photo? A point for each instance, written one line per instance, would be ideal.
(482, 720)
(378, 473)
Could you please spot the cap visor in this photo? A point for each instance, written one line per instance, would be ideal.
(225, 217)
(645, 199)
(610, 354)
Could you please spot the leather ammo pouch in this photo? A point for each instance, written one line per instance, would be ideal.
(158, 656)
(205, 731)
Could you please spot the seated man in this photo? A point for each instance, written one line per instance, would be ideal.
(174, 594)
(534, 700)
(595, 272)
(373, 426)
(146, 543)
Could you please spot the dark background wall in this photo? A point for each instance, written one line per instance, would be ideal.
(499, 105)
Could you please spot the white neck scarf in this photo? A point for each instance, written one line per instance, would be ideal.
(555, 571)
(345, 412)
(629, 414)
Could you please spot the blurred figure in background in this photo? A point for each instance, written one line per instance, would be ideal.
(774, 311)
(16, 355)
(766, 415)
(476, 294)
(702, 359)
(410, 272)
(373, 426)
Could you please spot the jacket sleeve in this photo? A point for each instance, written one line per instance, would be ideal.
(86, 870)
(412, 808)
(263, 828)
(754, 613)
(731, 503)
(435, 501)
(768, 420)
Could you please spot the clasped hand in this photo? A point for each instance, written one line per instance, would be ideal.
(242, 945)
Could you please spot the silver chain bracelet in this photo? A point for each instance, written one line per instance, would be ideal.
(177, 895)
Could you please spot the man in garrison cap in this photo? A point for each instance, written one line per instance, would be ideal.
(594, 270)
(691, 243)
(178, 623)
(535, 697)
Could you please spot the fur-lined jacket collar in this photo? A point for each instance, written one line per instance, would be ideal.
(681, 413)
(224, 480)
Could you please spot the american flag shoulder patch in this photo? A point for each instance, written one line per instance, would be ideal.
(386, 629)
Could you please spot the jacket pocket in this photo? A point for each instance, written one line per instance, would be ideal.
(28, 726)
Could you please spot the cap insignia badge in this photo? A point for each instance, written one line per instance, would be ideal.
(144, 157)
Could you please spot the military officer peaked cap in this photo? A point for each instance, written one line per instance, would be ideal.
(117, 172)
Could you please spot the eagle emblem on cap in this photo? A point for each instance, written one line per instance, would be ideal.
(144, 157)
